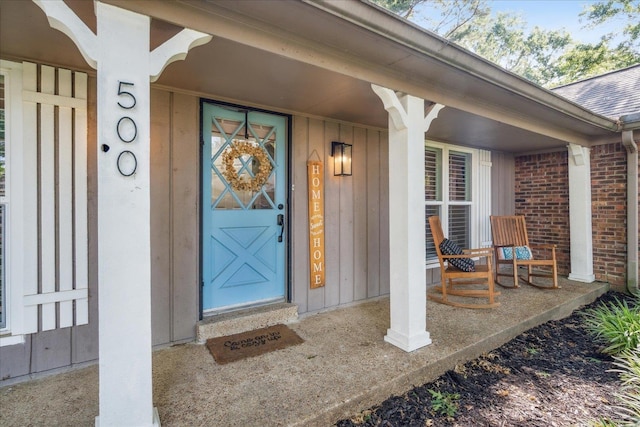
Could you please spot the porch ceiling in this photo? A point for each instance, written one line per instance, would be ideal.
(319, 58)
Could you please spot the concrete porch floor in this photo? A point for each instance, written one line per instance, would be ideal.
(343, 366)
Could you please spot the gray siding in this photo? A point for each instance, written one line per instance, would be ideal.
(356, 228)
(356, 220)
(503, 184)
(433, 276)
(175, 177)
(175, 213)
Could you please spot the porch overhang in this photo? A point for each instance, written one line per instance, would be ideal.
(318, 58)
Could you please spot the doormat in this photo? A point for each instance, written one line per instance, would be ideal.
(253, 343)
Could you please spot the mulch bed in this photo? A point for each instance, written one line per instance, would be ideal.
(551, 375)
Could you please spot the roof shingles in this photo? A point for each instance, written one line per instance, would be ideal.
(612, 95)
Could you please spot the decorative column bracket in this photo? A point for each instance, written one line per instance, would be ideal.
(577, 154)
(63, 18)
(175, 49)
(397, 112)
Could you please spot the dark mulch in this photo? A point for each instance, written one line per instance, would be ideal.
(551, 375)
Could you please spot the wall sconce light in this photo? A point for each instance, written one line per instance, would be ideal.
(341, 154)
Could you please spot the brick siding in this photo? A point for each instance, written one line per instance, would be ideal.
(542, 196)
(609, 212)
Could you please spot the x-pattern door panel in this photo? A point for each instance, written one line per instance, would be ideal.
(243, 228)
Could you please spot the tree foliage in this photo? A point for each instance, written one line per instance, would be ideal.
(403, 8)
(546, 57)
(620, 10)
(448, 18)
(586, 60)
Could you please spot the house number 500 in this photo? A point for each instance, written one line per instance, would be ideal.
(127, 130)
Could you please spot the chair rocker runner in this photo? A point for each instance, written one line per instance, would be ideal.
(458, 282)
(511, 245)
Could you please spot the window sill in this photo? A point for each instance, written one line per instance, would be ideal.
(8, 339)
(431, 264)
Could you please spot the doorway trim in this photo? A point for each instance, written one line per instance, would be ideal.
(288, 211)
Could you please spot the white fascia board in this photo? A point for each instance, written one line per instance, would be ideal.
(246, 25)
(430, 44)
(630, 121)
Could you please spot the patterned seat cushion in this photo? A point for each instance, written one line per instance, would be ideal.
(448, 247)
(522, 252)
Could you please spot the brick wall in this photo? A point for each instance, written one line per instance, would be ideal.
(542, 196)
(609, 210)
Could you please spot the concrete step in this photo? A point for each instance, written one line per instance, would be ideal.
(239, 321)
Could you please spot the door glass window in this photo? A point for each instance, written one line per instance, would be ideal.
(242, 165)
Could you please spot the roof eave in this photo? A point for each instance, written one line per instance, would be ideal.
(389, 25)
(630, 121)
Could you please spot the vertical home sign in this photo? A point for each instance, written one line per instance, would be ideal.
(315, 178)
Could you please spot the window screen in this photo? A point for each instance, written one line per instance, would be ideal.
(432, 174)
(459, 177)
(459, 197)
(447, 192)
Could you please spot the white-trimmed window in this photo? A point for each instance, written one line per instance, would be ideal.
(43, 230)
(458, 190)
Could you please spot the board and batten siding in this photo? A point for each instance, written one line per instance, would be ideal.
(175, 180)
(356, 228)
(356, 215)
(503, 178)
(175, 216)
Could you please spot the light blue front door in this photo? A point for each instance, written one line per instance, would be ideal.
(244, 197)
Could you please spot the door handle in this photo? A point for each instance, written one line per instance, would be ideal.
(281, 224)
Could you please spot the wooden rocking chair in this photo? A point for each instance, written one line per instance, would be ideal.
(460, 283)
(511, 245)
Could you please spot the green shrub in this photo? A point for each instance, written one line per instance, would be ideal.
(628, 364)
(616, 325)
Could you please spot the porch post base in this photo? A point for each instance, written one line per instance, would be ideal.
(407, 343)
(155, 422)
(585, 278)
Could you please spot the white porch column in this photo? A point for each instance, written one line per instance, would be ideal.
(120, 51)
(580, 214)
(408, 291)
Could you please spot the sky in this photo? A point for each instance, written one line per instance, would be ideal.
(554, 15)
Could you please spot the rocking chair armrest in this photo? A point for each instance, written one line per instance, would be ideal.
(445, 257)
(544, 246)
(479, 252)
(511, 245)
